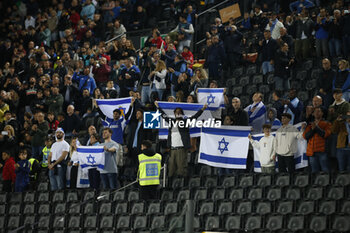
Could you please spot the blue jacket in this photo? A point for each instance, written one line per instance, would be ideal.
(321, 30)
(342, 80)
(299, 5)
(85, 82)
(22, 173)
(216, 53)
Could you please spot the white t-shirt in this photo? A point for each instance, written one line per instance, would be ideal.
(57, 149)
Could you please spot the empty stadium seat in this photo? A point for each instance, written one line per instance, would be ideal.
(237, 90)
(341, 223)
(232, 222)
(138, 207)
(212, 223)
(251, 70)
(230, 82)
(224, 207)
(105, 208)
(74, 207)
(345, 207)
(282, 179)
(59, 207)
(106, 221)
(89, 194)
(293, 193)
(315, 73)
(121, 208)
(311, 84)
(72, 196)
(228, 181)
(194, 182)
(321, 179)
(119, 195)
(43, 186)
(58, 221)
(74, 221)
(264, 180)
(263, 207)
(205, 170)
(296, 222)
(105, 195)
(246, 180)
(183, 195)
(28, 219)
(206, 207)
(200, 194)
(306, 207)
(14, 208)
(284, 207)
(133, 195)
(29, 197)
(274, 222)
(28, 208)
(210, 181)
(89, 208)
(238, 72)
(342, 179)
(315, 193)
(176, 221)
(335, 193)
(2, 221)
(177, 182)
(251, 89)
(171, 208)
(327, 207)
(264, 89)
(303, 96)
(243, 81)
(307, 65)
(255, 193)
(253, 223)
(167, 194)
(158, 222)
(140, 222)
(274, 194)
(43, 196)
(44, 208)
(58, 196)
(318, 223)
(44, 221)
(244, 207)
(258, 79)
(90, 221)
(270, 79)
(301, 75)
(218, 194)
(13, 221)
(153, 208)
(236, 194)
(123, 221)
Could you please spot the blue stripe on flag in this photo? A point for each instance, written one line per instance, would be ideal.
(163, 131)
(210, 90)
(257, 164)
(84, 181)
(261, 112)
(172, 106)
(226, 132)
(195, 130)
(90, 150)
(219, 159)
(113, 102)
(101, 166)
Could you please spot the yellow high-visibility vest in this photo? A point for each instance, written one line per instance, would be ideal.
(149, 169)
(31, 161)
(46, 152)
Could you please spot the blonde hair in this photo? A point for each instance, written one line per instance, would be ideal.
(9, 127)
(160, 66)
(345, 62)
(203, 73)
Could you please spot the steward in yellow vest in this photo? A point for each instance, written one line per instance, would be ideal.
(149, 171)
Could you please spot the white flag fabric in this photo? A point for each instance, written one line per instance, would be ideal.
(163, 133)
(107, 106)
(300, 157)
(91, 157)
(258, 117)
(213, 97)
(225, 147)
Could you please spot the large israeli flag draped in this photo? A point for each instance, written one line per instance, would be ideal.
(107, 106)
(258, 117)
(189, 110)
(225, 147)
(300, 157)
(213, 97)
(91, 157)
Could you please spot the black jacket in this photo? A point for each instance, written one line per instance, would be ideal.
(268, 50)
(281, 64)
(232, 42)
(325, 80)
(184, 132)
(240, 117)
(306, 26)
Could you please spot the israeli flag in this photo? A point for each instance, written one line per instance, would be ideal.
(225, 147)
(163, 133)
(91, 157)
(107, 106)
(300, 157)
(213, 97)
(257, 117)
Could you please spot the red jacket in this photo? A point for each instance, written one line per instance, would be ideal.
(158, 42)
(317, 137)
(188, 57)
(101, 73)
(8, 171)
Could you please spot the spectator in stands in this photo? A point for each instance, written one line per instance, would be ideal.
(274, 26)
(88, 11)
(157, 77)
(187, 56)
(342, 79)
(282, 67)
(293, 106)
(232, 43)
(345, 21)
(216, 58)
(109, 173)
(297, 6)
(325, 82)
(117, 30)
(342, 129)
(55, 101)
(22, 169)
(316, 134)
(304, 27)
(101, 71)
(139, 18)
(239, 116)
(185, 31)
(256, 112)
(56, 164)
(272, 119)
(93, 173)
(309, 110)
(335, 31)
(246, 23)
(46, 150)
(71, 123)
(149, 171)
(266, 146)
(339, 106)
(85, 80)
(39, 133)
(268, 48)
(258, 20)
(129, 77)
(286, 38)
(321, 28)
(286, 144)
(3, 108)
(8, 172)
(175, 71)
(10, 119)
(8, 140)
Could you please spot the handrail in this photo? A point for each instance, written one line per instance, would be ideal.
(204, 12)
(114, 38)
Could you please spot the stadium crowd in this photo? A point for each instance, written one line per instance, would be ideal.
(55, 63)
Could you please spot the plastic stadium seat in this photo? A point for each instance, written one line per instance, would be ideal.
(133, 195)
(251, 70)
(183, 195)
(205, 170)
(171, 208)
(2, 221)
(264, 89)
(301, 75)
(43, 197)
(119, 196)
(321, 179)
(2, 209)
(43, 186)
(252, 223)
(318, 223)
(176, 221)
(200, 194)
(138, 208)
(59, 208)
(106, 221)
(255, 193)
(335, 193)
(345, 207)
(28, 208)
(306, 207)
(105, 195)
(244, 81)
(264, 180)
(341, 223)
(15, 208)
(293, 193)
(327, 207)
(105, 208)
(58, 196)
(153, 208)
(44, 221)
(72, 196)
(245, 100)
(238, 72)
(13, 221)
(307, 65)
(270, 79)
(224, 207)
(296, 84)
(311, 84)
(315, 193)
(167, 194)
(274, 222)
(228, 182)
(237, 90)
(232, 222)
(44, 208)
(158, 222)
(263, 207)
(206, 207)
(177, 182)
(230, 82)
(274, 194)
(251, 89)
(28, 219)
(90, 221)
(282, 180)
(121, 208)
(218, 194)
(73, 221)
(295, 222)
(212, 223)
(3, 197)
(303, 96)
(140, 222)
(246, 180)
(194, 182)
(123, 221)
(58, 221)
(74, 207)
(210, 181)
(89, 208)
(89, 194)
(284, 207)
(315, 73)
(236, 194)
(258, 79)
(29, 197)
(342, 179)
(244, 207)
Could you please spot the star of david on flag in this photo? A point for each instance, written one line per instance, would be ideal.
(223, 145)
(213, 97)
(210, 99)
(91, 157)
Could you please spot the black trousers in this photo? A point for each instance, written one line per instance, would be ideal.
(149, 192)
(73, 177)
(94, 178)
(286, 163)
(7, 185)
